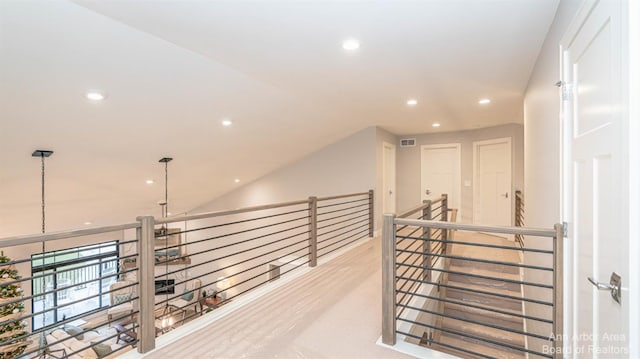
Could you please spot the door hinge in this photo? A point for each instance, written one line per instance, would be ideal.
(568, 90)
(565, 229)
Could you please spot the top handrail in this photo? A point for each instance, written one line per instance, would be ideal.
(43, 237)
(343, 196)
(538, 232)
(419, 208)
(228, 212)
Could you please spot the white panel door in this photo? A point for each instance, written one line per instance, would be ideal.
(440, 173)
(388, 178)
(492, 187)
(595, 182)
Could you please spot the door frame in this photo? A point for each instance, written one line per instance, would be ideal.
(634, 174)
(476, 189)
(385, 168)
(458, 176)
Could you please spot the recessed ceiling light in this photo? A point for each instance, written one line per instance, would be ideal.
(226, 122)
(168, 213)
(237, 180)
(150, 181)
(435, 125)
(96, 95)
(484, 101)
(412, 102)
(87, 223)
(351, 44)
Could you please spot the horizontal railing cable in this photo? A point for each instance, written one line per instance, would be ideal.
(480, 276)
(488, 325)
(226, 224)
(342, 209)
(474, 244)
(236, 253)
(490, 261)
(477, 291)
(340, 216)
(344, 239)
(355, 225)
(343, 221)
(489, 309)
(342, 203)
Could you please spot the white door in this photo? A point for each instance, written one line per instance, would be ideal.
(440, 173)
(492, 182)
(595, 181)
(388, 178)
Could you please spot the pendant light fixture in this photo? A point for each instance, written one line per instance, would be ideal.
(167, 318)
(43, 154)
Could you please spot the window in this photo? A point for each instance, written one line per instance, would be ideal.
(81, 276)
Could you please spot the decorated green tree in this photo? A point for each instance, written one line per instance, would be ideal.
(10, 312)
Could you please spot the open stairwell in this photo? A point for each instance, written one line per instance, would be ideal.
(478, 302)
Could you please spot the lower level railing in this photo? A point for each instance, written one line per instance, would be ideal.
(98, 291)
(481, 293)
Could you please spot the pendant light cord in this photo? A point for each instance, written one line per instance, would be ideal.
(42, 182)
(44, 299)
(166, 189)
(166, 232)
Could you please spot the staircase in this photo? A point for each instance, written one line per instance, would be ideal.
(463, 298)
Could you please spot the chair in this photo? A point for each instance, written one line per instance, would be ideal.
(120, 294)
(189, 297)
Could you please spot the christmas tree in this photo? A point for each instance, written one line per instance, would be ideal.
(10, 312)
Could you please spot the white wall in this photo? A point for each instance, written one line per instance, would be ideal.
(543, 177)
(346, 166)
(408, 163)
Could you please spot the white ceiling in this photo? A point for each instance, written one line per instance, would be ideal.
(174, 69)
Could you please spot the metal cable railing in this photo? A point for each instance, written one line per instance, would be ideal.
(57, 292)
(125, 285)
(471, 289)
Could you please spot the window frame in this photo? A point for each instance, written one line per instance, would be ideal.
(44, 270)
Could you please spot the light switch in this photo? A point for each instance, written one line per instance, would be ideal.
(467, 183)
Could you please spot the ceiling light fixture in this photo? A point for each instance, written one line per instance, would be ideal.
(435, 125)
(484, 101)
(96, 96)
(226, 123)
(237, 180)
(87, 223)
(412, 102)
(150, 181)
(351, 45)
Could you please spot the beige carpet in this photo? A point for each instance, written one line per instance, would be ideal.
(330, 312)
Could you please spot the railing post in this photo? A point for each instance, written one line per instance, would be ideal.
(389, 280)
(426, 245)
(371, 213)
(146, 287)
(444, 215)
(558, 290)
(313, 231)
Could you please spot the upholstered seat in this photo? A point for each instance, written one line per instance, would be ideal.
(120, 299)
(189, 297)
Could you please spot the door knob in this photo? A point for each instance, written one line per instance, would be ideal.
(427, 192)
(390, 192)
(505, 195)
(615, 284)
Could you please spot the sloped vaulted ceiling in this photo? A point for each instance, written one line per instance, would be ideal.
(172, 70)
